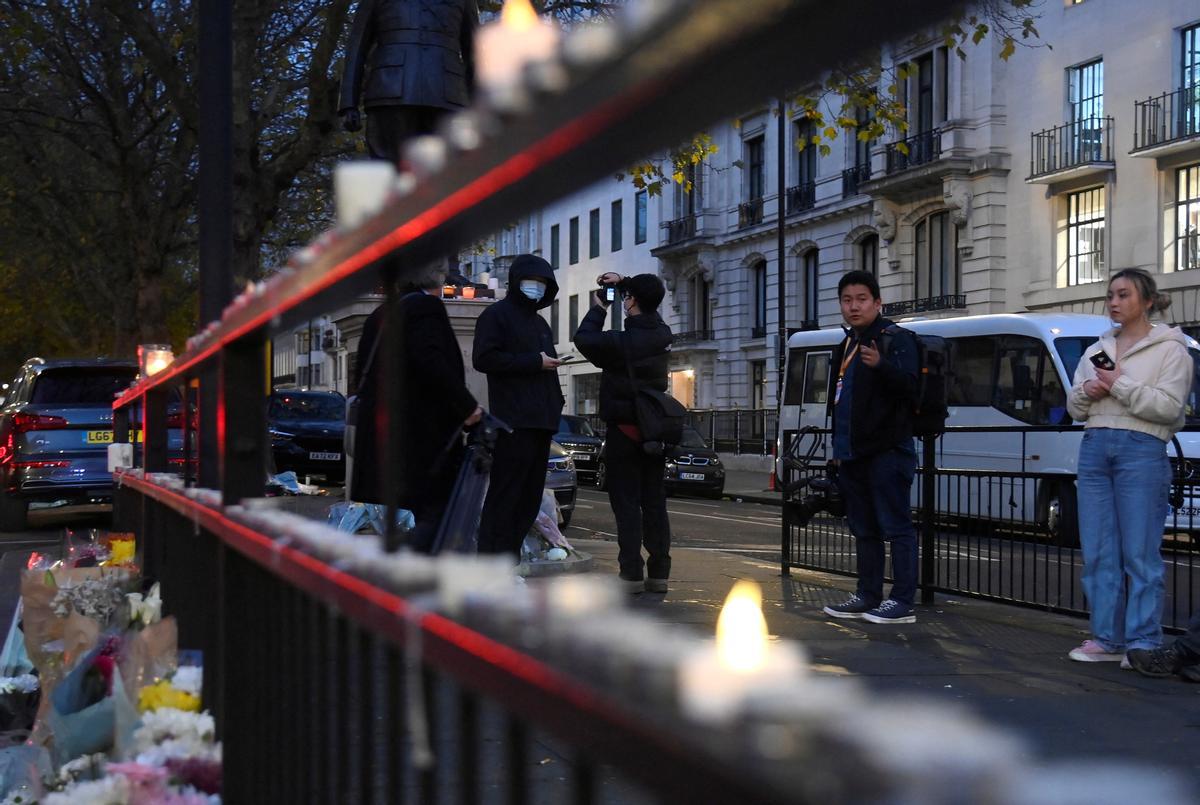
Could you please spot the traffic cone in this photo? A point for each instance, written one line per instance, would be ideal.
(771, 483)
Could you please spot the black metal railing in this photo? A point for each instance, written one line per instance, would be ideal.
(750, 213)
(919, 149)
(801, 197)
(691, 337)
(758, 331)
(1009, 536)
(1170, 117)
(681, 229)
(853, 177)
(731, 431)
(925, 305)
(1071, 145)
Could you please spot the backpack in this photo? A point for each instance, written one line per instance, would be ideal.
(660, 417)
(929, 406)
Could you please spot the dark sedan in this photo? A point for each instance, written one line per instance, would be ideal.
(692, 467)
(306, 433)
(576, 436)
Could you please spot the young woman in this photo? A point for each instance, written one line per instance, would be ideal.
(1129, 389)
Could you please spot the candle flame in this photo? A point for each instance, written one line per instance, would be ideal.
(742, 629)
(518, 15)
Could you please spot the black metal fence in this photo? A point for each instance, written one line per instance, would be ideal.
(1071, 145)
(733, 431)
(1170, 117)
(1008, 536)
(919, 149)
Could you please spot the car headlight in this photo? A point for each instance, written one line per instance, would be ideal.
(280, 435)
(716, 462)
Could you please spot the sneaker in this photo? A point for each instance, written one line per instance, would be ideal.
(1190, 672)
(632, 586)
(656, 585)
(853, 607)
(891, 611)
(1125, 664)
(1156, 662)
(1091, 651)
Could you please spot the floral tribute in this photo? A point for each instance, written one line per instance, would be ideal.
(103, 711)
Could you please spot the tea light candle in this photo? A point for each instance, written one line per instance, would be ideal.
(360, 190)
(504, 47)
(715, 679)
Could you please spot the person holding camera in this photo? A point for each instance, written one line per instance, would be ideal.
(1129, 390)
(635, 474)
(871, 402)
(515, 349)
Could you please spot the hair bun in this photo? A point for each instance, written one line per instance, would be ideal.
(1161, 302)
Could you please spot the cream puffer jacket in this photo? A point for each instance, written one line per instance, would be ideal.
(1149, 396)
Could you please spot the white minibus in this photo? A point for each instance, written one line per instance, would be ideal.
(1006, 371)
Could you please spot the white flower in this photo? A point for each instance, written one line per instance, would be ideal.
(179, 749)
(105, 791)
(167, 723)
(148, 610)
(25, 683)
(188, 678)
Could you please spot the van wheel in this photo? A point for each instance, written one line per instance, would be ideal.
(14, 513)
(1061, 516)
(601, 477)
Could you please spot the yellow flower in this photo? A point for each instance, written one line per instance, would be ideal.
(122, 551)
(161, 694)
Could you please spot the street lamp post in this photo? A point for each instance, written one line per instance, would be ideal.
(780, 211)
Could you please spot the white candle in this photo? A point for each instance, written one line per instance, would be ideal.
(715, 679)
(360, 190)
(504, 47)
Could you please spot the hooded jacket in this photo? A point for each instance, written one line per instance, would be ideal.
(1151, 393)
(509, 339)
(648, 341)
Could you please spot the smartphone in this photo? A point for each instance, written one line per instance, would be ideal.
(566, 358)
(1101, 361)
(610, 293)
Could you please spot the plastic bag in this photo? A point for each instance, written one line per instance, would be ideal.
(81, 722)
(22, 769)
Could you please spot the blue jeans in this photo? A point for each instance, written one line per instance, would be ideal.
(1124, 480)
(877, 492)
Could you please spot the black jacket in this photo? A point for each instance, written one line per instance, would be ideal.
(648, 339)
(414, 53)
(509, 339)
(881, 399)
(436, 402)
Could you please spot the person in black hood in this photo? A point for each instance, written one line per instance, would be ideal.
(515, 349)
(634, 477)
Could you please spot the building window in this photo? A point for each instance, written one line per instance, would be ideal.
(1187, 217)
(868, 254)
(699, 307)
(617, 221)
(862, 148)
(810, 278)
(639, 217)
(573, 241)
(687, 193)
(759, 300)
(594, 234)
(758, 384)
(937, 257)
(1085, 91)
(316, 374)
(554, 320)
(554, 246)
(756, 181)
(1189, 73)
(806, 159)
(1085, 236)
(573, 316)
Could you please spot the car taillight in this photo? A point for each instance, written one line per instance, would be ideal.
(22, 422)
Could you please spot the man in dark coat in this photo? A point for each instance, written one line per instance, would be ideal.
(437, 406)
(515, 349)
(634, 477)
(419, 64)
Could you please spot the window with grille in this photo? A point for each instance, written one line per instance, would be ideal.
(1086, 96)
(936, 240)
(1187, 217)
(1085, 236)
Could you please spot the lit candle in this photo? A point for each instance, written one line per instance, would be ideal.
(714, 680)
(360, 190)
(504, 47)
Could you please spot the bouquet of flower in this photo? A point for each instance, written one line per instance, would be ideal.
(18, 701)
(82, 712)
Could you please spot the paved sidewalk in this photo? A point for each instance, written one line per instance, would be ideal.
(751, 487)
(1006, 662)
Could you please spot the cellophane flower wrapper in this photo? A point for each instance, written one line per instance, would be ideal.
(46, 607)
(150, 654)
(82, 712)
(22, 769)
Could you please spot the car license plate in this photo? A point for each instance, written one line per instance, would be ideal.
(106, 437)
(325, 456)
(691, 476)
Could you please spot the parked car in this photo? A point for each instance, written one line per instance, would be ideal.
(306, 430)
(562, 481)
(576, 436)
(55, 428)
(692, 467)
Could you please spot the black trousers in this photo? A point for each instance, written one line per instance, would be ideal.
(514, 490)
(389, 126)
(639, 502)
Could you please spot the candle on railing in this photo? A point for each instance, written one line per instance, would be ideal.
(504, 48)
(153, 358)
(715, 680)
(360, 190)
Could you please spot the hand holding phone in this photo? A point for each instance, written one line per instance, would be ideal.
(566, 358)
(1101, 361)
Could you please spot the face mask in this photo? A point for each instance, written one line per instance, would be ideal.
(533, 289)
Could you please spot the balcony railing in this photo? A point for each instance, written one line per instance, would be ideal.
(758, 332)
(922, 148)
(692, 337)
(750, 213)
(929, 303)
(801, 197)
(1171, 117)
(1071, 145)
(680, 229)
(853, 177)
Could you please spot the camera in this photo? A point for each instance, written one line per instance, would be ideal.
(810, 496)
(610, 292)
